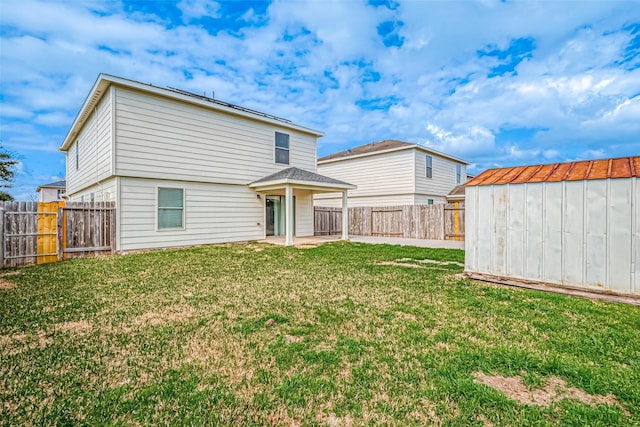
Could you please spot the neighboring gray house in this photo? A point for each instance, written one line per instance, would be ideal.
(185, 169)
(392, 172)
(51, 192)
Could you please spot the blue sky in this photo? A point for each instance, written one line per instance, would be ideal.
(496, 83)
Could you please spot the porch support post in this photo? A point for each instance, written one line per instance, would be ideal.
(288, 217)
(345, 216)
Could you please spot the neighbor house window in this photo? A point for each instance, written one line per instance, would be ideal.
(458, 174)
(430, 201)
(282, 148)
(170, 208)
(429, 166)
(77, 156)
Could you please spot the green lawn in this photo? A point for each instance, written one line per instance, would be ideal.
(341, 334)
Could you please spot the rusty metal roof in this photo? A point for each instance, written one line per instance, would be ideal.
(623, 167)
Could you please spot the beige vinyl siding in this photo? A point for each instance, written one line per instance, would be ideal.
(105, 191)
(422, 199)
(213, 213)
(158, 137)
(95, 155)
(443, 177)
(304, 213)
(377, 175)
(335, 201)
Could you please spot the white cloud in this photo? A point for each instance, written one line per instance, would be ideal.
(196, 9)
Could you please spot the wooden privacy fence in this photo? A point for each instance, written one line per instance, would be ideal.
(36, 233)
(438, 222)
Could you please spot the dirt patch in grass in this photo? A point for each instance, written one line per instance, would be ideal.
(555, 390)
(78, 327)
(11, 345)
(399, 264)
(170, 314)
(430, 261)
(4, 285)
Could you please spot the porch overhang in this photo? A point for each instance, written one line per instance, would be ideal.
(301, 179)
(291, 179)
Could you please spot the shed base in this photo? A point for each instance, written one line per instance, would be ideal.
(595, 294)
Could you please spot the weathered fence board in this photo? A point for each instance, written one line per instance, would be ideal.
(437, 222)
(328, 220)
(89, 228)
(32, 232)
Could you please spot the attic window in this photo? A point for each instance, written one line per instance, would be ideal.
(282, 148)
(458, 174)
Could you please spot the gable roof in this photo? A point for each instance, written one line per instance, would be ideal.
(56, 184)
(623, 167)
(388, 145)
(105, 81)
(297, 175)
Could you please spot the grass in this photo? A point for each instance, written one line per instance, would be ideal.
(357, 337)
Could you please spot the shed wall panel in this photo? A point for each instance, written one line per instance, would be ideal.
(552, 224)
(484, 231)
(620, 238)
(499, 200)
(574, 232)
(471, 229)
(577, 233)
(534, 246)
(516, 231)
(596, 233)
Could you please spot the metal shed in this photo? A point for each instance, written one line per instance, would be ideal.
(574, 224)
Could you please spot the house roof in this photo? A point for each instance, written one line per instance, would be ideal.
(458, 190)
(623, 167)
(104, 81)
(388, 145)
(56, 184)
(296, 175)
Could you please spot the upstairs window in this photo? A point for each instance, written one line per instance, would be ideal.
(170, 208)
(429, 169)
(77, 156)
(282, 148)
(458, 174)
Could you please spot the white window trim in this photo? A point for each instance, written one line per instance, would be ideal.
(276, 148)
(184, 208)
(428, 168)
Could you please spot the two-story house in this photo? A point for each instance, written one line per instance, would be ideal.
(186, 169)
(392, 172)
(51, 192)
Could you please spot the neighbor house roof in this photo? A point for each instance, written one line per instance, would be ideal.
(388, 145)
(457, 193)
(623, 167)
(56, 184)
(104, 81)
(298, 176)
